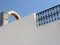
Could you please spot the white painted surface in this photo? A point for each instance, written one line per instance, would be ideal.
(5, 22)
(25, 32)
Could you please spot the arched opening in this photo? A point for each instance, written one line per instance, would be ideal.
(11, 19)
(17, 18)
(13, 14)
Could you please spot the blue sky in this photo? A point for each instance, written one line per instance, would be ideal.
(26, 7)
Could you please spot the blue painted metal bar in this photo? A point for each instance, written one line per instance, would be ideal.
(47, 16)
(1, 18)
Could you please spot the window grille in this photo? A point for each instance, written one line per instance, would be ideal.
(1, 18)
(48, 16)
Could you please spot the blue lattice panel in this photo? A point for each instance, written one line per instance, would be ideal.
(48, 16)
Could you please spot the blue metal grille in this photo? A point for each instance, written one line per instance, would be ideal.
(1, 18)
(48, 16)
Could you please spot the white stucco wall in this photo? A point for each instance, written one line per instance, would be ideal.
(25, 32)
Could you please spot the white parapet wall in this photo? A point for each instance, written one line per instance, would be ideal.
(25, 32)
